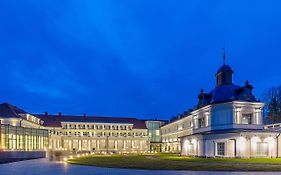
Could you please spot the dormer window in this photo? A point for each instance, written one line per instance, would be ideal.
(247, 119)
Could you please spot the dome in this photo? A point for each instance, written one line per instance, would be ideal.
(224, 93)
(224, 68)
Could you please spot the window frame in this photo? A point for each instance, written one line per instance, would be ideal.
(220, 148)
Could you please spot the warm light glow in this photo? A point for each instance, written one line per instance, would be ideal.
(254, 141)
(270, 141)
(242, 144)
(193, 141)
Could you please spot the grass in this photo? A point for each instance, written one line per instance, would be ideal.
(176, 162)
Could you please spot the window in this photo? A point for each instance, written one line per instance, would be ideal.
(247, 119)
(262, 149)
(157, 132)
(201, 122)
(220, 149)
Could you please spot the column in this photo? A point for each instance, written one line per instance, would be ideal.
(115, 145)
(79, 144)
(124, 144)
(98, 144)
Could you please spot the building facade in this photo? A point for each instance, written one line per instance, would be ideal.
(173, 131)
(96, 134)
(227, 122)
(154, 134)
(21, 134)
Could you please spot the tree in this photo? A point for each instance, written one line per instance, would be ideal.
(272, 99)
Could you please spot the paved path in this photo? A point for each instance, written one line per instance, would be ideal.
(46, 167)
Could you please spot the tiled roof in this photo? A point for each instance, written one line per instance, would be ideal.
(10, 111)
(55, 120)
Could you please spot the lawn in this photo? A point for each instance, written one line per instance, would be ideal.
(176, 162)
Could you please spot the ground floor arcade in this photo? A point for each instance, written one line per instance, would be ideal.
(244, 144)
(96, 144)
(174, 147)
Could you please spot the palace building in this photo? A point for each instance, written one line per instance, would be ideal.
(97, 134)
(226, 122)
(21, 134)
(25, 134)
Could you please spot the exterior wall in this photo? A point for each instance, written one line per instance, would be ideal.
(24, 139)
(255, 109)
(26, 120)
(224, 116)
(97, 137)
(154, 134)
(201, 119)
(229, 115)
(243, 144)
(172, 132)
(22, 154)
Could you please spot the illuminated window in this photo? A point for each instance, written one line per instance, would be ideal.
(220, 149)
(157, 132)
(247, 119)
(201, 122)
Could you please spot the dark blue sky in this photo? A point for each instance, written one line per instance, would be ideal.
(138, 58)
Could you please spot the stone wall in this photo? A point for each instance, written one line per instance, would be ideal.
(22, 154)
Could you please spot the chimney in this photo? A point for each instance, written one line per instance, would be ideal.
(59, 113)
(46, 113)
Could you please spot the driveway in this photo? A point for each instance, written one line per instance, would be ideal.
(46, 167)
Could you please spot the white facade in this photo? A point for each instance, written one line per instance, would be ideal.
(232, 129)
(98, 137)
(227, 122)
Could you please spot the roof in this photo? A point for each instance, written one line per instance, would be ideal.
(227, 93)
(224, 68)
(9, 111)
(224, 93)
(55, 120)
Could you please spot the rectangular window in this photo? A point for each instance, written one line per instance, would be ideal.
(220, 148)
(247, 119)
(157, 132)
(201, 122)
(262, 149)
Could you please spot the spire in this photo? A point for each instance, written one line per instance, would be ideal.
(223, 55)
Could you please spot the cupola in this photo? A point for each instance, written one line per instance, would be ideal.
(224, 74)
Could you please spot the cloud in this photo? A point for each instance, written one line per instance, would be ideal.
(132, 58)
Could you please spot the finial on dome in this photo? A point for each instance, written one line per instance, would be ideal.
(223, 55)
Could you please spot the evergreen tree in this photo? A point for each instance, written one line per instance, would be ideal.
(273, 105)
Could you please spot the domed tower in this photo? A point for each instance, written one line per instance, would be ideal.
(224, 74)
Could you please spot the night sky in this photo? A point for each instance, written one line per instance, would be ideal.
(145, 59)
